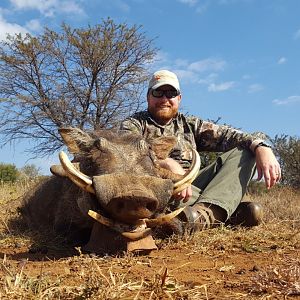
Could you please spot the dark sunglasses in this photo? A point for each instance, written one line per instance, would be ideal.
(168, 93)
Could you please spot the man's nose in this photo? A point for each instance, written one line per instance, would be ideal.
(164, 98)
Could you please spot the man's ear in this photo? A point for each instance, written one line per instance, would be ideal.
(75, 139)
(162, 146)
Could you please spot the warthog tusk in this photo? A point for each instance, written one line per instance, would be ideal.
(137, 234)
(83, 181)
(164, 218)
(139, 231)
(190, 175)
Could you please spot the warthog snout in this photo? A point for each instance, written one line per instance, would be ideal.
(129, 208)
(129, 198)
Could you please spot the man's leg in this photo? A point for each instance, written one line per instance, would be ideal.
(218, 190)
(224, 183)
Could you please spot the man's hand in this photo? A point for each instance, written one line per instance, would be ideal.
(176, 168)
(267, 166)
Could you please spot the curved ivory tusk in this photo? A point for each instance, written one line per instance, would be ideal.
(137, 235)
(83, 181)
(103, 220)
(164, 218)
(191, 174)
(180, 188)
(140, 231)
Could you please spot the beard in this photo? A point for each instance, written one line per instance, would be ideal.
(162, 116)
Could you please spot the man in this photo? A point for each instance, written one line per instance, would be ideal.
(215, 196)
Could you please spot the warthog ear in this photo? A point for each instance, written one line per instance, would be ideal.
(162, 146)
(75, 139)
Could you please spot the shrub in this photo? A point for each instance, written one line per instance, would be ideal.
(8, 172)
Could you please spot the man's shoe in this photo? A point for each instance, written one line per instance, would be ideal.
(247, 214)
(191, 219)
(204, 215)
(197, 217)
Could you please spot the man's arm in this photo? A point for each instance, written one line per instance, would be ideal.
(175, 167)
(131, 124)
(221, 138)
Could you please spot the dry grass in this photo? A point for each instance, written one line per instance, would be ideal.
(97, 279)
(278, 280)
(281, 205)
(11, 191)
(150, 277)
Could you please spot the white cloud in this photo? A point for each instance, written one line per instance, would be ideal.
(10, 28)
(202, 8)
(286, 101)
(246, 77)
(204, 72)
(198, 8)
(209, 64)
(188, 2)
(122, 5)
(297, 34)
(49, 8)
(69, 7)
(224, 86)
(254, 88)
(208, 79)
(203, 5)
(34, 25)
(180, 63)
(226, 2)
(201, 66)
(186, 75)
(282, 60)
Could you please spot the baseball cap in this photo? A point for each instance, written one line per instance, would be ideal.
(164, 77)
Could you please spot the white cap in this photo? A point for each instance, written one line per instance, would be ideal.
(164, 77)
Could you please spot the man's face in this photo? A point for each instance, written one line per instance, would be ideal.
(163, 109)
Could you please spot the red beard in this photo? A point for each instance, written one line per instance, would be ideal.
(163, 116)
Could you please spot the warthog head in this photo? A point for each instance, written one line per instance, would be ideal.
(120, 173)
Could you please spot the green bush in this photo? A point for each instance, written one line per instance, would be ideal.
(287, 149)
(8, 172)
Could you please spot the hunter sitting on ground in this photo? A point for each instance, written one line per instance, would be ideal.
(215, 195)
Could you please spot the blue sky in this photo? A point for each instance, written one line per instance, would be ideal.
(236, 59)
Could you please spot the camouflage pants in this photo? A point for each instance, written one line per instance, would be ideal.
(224, 182)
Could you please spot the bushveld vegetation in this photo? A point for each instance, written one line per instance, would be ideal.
(221, 263)
(9, 173)
(82, 77)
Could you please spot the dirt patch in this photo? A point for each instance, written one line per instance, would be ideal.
(224, 268)
(220, 263)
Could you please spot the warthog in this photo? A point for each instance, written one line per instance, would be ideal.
(115, 178)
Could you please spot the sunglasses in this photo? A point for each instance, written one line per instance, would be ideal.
(168, 93)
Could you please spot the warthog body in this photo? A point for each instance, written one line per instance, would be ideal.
(127, 184)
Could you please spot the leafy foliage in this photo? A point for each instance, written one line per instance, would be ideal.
(87, 78)
(30, 171)
(287, 149)
(8, 172)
